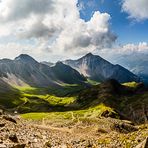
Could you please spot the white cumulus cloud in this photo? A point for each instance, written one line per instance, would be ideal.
(137, 9)
(125, 50)
(55, 27)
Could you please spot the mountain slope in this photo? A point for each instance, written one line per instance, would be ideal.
(24, 70)
(67, 74)
(4, 87)
(129, 102)
(96, 68)
(137, 63)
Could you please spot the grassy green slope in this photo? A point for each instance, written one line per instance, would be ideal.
(78, 102)
(89, 113)
(30, 99)
(9, 96)
(123, 102)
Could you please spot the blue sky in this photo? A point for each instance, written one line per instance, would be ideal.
(127, 30)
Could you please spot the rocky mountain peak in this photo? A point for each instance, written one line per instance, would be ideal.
(99, 69)
(89, 54)
(25, 58)
(94, 59)
(59, 63)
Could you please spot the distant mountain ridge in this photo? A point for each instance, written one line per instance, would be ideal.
(48, 63)
(136, 63)
(24, 70)
(98, 69)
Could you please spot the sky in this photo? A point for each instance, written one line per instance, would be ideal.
(56, 30)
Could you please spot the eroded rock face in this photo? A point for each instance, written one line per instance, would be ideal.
(97, 68)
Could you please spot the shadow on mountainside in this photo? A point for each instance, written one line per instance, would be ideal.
(36, 99)
(9, 96)
(129, 102)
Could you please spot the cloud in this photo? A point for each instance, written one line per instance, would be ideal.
(37, 30)
(141, 47)
(137, 9)
(12, 10)
(81, 35)
(119, 52)
(55, 26)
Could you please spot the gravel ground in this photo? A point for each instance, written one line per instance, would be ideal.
(19, 133)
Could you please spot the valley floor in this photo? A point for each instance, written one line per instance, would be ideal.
(75, 117)
(16, 132)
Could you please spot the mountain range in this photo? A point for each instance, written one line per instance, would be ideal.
(136, 63)
(27, 85)
(24, 70)
(96, 68)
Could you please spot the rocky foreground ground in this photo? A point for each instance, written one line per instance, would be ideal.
(102, 133)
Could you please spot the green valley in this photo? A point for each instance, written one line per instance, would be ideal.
(79, 101)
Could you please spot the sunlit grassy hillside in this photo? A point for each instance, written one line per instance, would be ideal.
(78, 102)
(31, 99)
(126, 101)
(78, 115)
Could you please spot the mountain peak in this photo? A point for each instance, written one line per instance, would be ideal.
(59, 63)
(99, 69)
(24, 58)
(92, 56)
(89, 54)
